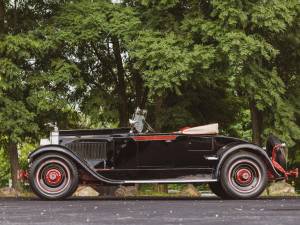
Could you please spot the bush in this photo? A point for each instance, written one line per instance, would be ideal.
(4, 168)
(24, 150)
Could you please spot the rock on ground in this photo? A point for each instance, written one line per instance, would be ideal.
(9, 192)
(126, 191)
(280, 188)
(85, 191)
(190, 191)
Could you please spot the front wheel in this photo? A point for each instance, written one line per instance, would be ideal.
(243, 176)
(53, 176)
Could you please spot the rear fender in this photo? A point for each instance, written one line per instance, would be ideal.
(232, 148)
(71, 155)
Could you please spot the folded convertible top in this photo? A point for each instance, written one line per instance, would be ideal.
(206, 129)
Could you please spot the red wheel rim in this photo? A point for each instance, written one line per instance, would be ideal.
(244, 176)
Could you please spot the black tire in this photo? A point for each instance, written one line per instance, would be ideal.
(53, 176)
(280, 156)
(218, 190)
(243, 176)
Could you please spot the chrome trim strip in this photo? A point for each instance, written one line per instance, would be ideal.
(211, 157)
(169, 181)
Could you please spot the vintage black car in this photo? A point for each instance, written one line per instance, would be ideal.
(233, 168)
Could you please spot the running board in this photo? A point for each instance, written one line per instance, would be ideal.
(169, 181)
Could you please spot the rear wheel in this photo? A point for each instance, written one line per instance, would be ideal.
(243, 176)
(53, 176)
(218, 190)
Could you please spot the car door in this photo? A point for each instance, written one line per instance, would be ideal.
(190, 151)
(154, 154)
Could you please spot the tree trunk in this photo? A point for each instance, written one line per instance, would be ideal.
(121, 85)
(2, 17)
(157, 112)
(140, 90)
(163, 188)
(14, 164)
(157, 127)
(15, 16)
(256, 121)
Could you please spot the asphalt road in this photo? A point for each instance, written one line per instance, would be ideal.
(152, 212)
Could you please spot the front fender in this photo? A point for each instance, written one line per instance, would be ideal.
(67, 152)
(230, 149)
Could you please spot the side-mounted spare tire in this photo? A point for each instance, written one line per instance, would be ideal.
(53, 176)
(281, 153)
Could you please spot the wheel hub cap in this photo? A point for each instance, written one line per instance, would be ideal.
(53, 176)
(244, 176)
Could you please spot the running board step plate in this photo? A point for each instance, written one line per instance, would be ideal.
(169, 181)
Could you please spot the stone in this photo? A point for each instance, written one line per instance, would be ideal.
(190, 191)
(280, 188)
(85, 191)
(9, 192)
(126, 191)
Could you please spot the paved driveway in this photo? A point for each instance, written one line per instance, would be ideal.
(151, 212)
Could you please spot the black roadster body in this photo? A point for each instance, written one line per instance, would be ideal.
(233, 168)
